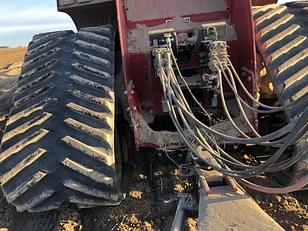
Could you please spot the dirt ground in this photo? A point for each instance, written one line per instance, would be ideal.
(150, 205)
(151, 200)
(9, 56)
(289, 210)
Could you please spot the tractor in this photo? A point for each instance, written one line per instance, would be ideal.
(172, 76)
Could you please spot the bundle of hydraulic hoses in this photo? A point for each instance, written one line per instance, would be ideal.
(200, 137)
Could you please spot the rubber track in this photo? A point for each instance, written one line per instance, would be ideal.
(282, 40)
(58, 148)
(2, 125)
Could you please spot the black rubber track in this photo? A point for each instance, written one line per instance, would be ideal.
(8, 86)
(2, 125)
(282, 40)
(58, 148)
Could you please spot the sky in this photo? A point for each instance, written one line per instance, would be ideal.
(21, 19)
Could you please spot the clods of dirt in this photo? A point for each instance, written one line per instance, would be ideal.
(286, 209)
(191, 224)
(69, 220)
(150, 204)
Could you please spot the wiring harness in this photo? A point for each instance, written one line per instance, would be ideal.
(204, 141)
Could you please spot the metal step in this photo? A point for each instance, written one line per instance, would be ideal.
(228, 207)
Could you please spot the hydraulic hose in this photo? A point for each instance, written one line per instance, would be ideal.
(291, 188)
(182, 132)
(196, 134)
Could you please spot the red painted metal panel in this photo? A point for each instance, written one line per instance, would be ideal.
(243, 21)
(123, 30)
(138, 68)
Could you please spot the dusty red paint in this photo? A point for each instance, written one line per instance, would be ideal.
(138, 67)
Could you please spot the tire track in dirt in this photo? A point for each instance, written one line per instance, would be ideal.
(35, 221)
(7, 212)
(58, 220)
(11, 220)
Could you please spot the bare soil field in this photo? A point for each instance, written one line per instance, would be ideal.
(9, 56)
(151, 198)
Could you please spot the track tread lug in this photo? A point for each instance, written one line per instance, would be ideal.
(61, 127)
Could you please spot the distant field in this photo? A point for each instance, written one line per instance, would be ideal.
(11, 55)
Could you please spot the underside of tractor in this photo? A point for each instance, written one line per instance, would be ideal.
(175, 76)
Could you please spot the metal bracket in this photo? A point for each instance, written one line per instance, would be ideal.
(186, 205)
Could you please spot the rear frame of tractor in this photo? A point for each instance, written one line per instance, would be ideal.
(135, 20)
